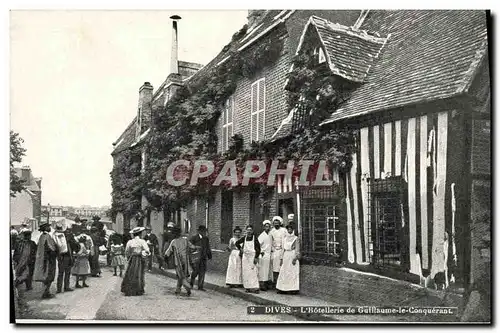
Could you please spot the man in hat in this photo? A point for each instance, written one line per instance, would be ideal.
(95, 269)
(152, 242)
(64, 258)
(200, 258)
(277, 234)
(24, 259)
(168, 237)
(45, 264)
(24, 227)
(264, 264)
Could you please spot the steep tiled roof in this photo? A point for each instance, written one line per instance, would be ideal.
(126, 139)
(350, 52)
(270, 19)
(429, 55)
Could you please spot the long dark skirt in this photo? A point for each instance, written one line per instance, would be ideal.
(133, 281)
(95, 267)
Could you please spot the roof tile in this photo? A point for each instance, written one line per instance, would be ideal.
(429, 55)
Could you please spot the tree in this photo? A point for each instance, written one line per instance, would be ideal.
(16, 155)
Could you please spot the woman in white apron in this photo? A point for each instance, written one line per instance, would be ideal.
(233, 275)
(288, 279)
(265, 241)
(250, 251)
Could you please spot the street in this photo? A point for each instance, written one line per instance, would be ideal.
(104, 301)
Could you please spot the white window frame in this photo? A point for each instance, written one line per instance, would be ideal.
(320, 54)
(143, 160)
(259, 110)
(228, 107)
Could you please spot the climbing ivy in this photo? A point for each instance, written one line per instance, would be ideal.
(126, 183)
(185, 127)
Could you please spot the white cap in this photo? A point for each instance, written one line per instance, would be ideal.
(266, 222)
(278, 218)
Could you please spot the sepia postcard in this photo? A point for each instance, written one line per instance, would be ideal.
(250, 166)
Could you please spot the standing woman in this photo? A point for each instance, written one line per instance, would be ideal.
(233, 275)
(288, 279)
(179, 251)
(250, 251)
(137, 251)
(81, 267)
(264, 265)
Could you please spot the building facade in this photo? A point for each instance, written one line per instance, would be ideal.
(26, 206)
(416, 199)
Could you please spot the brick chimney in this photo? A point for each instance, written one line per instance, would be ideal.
(145, 108)
(254, 17)
(26, 174)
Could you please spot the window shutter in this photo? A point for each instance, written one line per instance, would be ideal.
(230, 110)
(223, 118)
(224, 139)
(262, 88)
(254, 97)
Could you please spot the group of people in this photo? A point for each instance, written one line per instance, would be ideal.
(267, 261)
(188, 256)
(72, 254)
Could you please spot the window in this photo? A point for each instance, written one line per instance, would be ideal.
(320, 55)
(258, 115)
(320, 230)
(143, 160)
(387, 215)
(227, 123)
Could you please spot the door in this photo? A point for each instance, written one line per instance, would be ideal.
(258, 212)
(226, 225)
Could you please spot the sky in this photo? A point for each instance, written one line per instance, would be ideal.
(74, 82)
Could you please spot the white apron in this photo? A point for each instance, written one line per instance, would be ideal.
(288, 279)
(233, 275)
(264, 263)
(249, 270)
(277, 250)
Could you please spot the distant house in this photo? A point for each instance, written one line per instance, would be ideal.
(27, 204)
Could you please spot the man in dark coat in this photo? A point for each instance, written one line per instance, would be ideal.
(152, 242)
(201, 256)
(95, 268)
(64, 258)
(45, 264)
(24, 260)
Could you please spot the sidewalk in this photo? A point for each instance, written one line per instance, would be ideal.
(216, 281)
